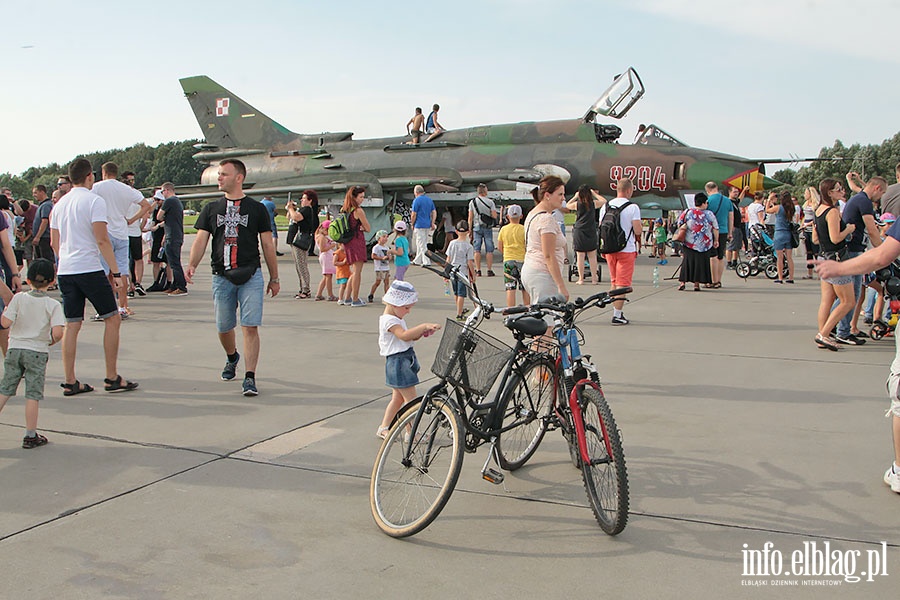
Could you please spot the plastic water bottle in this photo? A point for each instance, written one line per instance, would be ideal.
(656, 276)
(447, 291)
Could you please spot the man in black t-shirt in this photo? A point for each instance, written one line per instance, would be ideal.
(738, 239)
(171, 213)
(237, 225)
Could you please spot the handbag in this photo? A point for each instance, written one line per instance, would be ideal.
(239, 275)
(486, 219)
(303, 241)
(795, 235)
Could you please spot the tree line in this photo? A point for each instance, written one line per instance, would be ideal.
(152, 166)
(869, 160)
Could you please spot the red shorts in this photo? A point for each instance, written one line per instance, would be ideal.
(621, 268)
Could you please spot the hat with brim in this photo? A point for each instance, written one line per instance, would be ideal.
(400, 226)
(888, 218)
(401, 293)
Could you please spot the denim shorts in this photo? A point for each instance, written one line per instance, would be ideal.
(228, 297)
(459, 287)
(485, 234)
(120, 249)
(29, 365)
(401, 370)
(75, 289)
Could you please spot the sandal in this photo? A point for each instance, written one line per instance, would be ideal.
(302, 296)
(72, 389)
(718, 285)
(332, 298)
(696, 288)
(681, 288)
(119, 385)
(319, 298)
(382, 432)
(824, 342)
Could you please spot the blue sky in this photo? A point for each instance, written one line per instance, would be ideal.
(785, 76)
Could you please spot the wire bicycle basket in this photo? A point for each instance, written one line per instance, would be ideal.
(470, 359)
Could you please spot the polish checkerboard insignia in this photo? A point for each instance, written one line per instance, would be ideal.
(222, 107)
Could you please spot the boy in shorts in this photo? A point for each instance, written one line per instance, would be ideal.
(35, 322)
(511, 243)
(381, 259)
(461, 253)
(342, 275)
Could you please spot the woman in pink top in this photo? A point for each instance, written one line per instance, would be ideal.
(544, 243)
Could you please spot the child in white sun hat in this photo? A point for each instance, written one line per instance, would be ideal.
(395, 343)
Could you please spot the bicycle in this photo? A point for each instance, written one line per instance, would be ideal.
(420, 460)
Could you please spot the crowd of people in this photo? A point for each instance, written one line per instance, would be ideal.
(88, 238)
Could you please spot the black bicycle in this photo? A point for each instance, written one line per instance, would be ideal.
(543, 382)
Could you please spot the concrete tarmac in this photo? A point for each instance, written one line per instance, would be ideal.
(737, 430)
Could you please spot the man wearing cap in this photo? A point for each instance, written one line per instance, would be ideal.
(400, 250)
(482, 216)
(423, 217)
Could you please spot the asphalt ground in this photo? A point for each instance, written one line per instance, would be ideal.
(737, 431)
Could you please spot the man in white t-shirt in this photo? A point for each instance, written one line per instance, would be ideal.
(756, 211)
(79, 238)
(481, 210)
(120, 202)
(621, 264)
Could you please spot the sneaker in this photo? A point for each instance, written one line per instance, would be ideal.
(39, 440)
(279, 253)
(849, 340)
(664, 261)
(859, 337)
(250, 387)
(96, 317)
(177, 292)
(124, 314)
(130, 293)
(371, 298)
(478, 273)
(357, 303)
(620, 320)
(230, 369)
(868, 320)
(140, 289)
(890, 478)
(491, 273)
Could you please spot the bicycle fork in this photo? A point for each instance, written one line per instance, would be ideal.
(578, 420)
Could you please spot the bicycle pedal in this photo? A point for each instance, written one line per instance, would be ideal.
(493, 476)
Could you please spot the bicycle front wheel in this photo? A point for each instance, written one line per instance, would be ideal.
(605, 478)
(408, 493)
(527, 402)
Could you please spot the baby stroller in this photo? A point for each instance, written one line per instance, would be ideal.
(889, 277)
(763, 257)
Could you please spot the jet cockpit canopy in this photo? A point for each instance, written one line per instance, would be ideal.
(655, 136)
(617, 100)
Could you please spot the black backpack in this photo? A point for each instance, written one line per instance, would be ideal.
(612, 236)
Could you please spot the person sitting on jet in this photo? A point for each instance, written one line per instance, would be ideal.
(432, 127)
(416, 123)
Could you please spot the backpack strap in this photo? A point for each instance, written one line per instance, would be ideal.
(619, 216)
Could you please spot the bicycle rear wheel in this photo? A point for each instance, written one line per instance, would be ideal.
(605, 478)
(406, 495)
(527, 400)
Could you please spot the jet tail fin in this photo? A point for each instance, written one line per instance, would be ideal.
(229, 122)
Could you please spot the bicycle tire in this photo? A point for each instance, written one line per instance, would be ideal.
(528, 396)
(405, 499)
(605, 477)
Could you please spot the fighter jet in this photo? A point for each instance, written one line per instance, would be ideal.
(509, 158)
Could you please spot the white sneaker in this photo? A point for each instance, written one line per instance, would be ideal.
(892, 479)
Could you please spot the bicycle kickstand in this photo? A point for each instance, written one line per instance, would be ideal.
(487, 473)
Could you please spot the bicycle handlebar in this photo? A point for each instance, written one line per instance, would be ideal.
(558, 305)
(486, 307)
